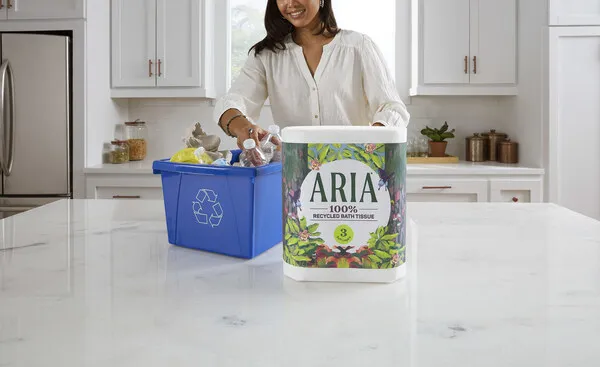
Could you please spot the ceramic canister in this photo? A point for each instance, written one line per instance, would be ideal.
(344, 203)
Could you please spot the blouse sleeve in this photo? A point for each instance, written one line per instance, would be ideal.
(248, 93)
(385, 105)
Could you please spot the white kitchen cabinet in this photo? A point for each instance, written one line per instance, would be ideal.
(441, 190)
(178, 43)
(574, 12)
(133, 43)
(42, 9)
(123, 186)
(516, 191)
(574, 119)
(161, 49)
(464, 47)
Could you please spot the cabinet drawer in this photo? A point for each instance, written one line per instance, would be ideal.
(148, 193)
(516, 191)
(420, 190)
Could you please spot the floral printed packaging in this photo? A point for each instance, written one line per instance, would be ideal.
(344, 203)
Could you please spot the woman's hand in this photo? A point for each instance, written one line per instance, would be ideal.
(244, 129)
(378, 124)
(241, 127)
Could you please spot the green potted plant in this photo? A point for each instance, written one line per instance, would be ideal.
(437, 139)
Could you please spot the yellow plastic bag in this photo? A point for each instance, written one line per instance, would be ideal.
(192, 155)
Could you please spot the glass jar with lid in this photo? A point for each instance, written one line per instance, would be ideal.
(136, 134)
(119, 152)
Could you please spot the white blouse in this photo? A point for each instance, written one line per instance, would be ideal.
(352, 85)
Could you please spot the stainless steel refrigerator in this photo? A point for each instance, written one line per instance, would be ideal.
(35, 120)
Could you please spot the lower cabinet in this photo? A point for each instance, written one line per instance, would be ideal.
(418, 188)
(436, 190)
(120, 187)
(516, 191)
(477, 189)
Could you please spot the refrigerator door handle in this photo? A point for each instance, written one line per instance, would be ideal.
(3, 77)
(9, 137)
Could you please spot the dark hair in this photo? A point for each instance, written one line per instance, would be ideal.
(278, 27)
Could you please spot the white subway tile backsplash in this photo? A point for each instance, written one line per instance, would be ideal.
(168, 119)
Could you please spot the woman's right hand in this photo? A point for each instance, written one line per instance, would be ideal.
(243, 129)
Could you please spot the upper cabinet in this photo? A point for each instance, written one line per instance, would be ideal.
(160, 48)
(42, 9)
(464, 47)
(574, 12)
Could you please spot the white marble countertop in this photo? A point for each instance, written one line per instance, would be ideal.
(460, 168)
(95, 283)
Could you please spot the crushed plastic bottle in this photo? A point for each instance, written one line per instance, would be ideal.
(271, 144)
(252, 156)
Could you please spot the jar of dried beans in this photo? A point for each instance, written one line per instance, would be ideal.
(137, 138)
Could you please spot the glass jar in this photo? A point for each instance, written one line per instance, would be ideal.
(423, 144)
(136, 134)
(411, 149)
(119, 152)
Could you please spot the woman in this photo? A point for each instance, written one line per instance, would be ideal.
(313, 74)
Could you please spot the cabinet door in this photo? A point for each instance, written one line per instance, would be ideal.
(178, 43)
(493, 41)
(445, 32)
(443, 190)
(45, 9)
(574, 119)
(133, 43)
(516, 191)
(574, 12)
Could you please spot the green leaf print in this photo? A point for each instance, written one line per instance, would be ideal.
(303, 223)
(312, 228)
(323, 153)
(377, 161)
(381, 254)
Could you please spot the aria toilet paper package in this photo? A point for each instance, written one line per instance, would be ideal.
(344, 203)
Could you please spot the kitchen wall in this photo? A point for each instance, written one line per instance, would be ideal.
(168, 119)
(520, 117)
(102, 112)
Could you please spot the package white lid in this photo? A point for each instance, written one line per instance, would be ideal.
(344, 134)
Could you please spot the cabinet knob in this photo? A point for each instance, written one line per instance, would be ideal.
(515, 199)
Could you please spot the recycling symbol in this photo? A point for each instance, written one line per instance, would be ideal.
(207, 209)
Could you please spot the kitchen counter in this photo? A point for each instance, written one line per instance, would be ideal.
(461, 168)
(95, 283)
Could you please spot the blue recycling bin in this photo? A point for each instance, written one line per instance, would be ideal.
(234, 211)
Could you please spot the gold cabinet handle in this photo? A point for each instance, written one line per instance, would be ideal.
(149, 68)
(159, 63)
(474, 64)
(436, 187)
(126, 197)
(466, 64)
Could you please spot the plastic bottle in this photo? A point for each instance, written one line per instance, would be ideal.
(271, 144)
(252, 156)
(202, 157)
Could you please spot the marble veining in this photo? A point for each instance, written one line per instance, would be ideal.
(489, 284)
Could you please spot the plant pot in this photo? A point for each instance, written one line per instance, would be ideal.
(437, 148)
